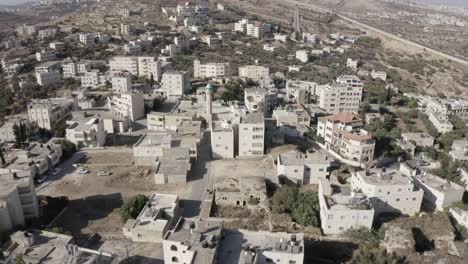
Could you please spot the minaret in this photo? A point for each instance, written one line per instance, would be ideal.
(209, 104)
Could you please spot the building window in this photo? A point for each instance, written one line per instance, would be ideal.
(175, 260)
(173, 248)
(341, 228)
(398, 199)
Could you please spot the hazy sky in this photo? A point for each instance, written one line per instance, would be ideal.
(13, 2)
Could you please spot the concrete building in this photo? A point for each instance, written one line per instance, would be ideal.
(209, 70)
(299, 92)
(379, 75)
(343, 135)
(46, 113)
(159, 215)
(132, 49)
(419, 139)
(175, 84)
(69, 69)
(121, 83)
(353, 64)
(342, 209)
(302, 55)
(252, 133)
(388, 190)
(240, 190)
(459, 150)
(37, 246)
(45, 55)
(438, 193)
(441, 122)
(337, 98)
(262, 247)
(50, 78)
(18, 201)
(150, 147)
(258, 99)
(300, 168)
(174, 166)
(93, 79)
(46, 33)
(86, 131)
(121, 63)
(129, 105)
(460, 216)
(281, 37)
(222, 140)
(309, 38)
(87, 39)
(292, 121)
(350, 80)
(26, 29)
(254, 72)
(193, 241)
(159, 121)
(149, 67)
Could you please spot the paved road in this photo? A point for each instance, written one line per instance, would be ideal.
(380, 31)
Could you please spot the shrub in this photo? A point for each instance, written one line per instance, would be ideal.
(132, 207)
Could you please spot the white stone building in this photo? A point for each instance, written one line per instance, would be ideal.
(193, 241)
(46, 113)
(388, 190)
(353, 64)
(87, 39)
(122, 63)
(420, 139)
(26, 29)
(309, 38)
(129, 105)
(159, 121)
(337, 98)
(350, 80)
(379, 75)
(254, 72)
(341, 209)
(49, 78)
(86, 131)
(159, 215)
(299, 91)
(121, 83)
(300, 168)
(441, 122)
(258, 99)
(344, 136)
(252, 133)
(149, 67)
(302, 55)
(93, 79)
(175, 84)
(222, 140)
(460, 216)
(438, 193)
(18, 200)
(459, 150)
(45, 55)
(209, 70)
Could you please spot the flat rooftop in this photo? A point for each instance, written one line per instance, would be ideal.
(296, 158)
(154, 139)
(386, 176)
(341, 199)
(437, 183)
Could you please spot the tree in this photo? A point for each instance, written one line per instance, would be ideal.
(366, 236)
(132, 207)
(306, 209)
(68, 148)
(19, 259)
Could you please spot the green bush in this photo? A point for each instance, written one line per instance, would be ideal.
(366, 236)
(132, 207)
(303, 206)
(68, 148)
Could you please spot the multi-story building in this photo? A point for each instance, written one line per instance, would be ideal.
(129, 105)
(160, 121)
(87, 39)
(254, 29)
(93, 79)
(26, 30)
(46, 113)
(121, 83)
(258, 99)
(441, 122)
(254, 72)
(353, 64)
(69, 69)
(46, 33)
(300, 168)
(18, 200)
(49, 78)
(281, 37)
(292, 121)
(419, 139)
(446, 106)
(459, 150)
(342, 209)
(309, 38)
(45, 55)
(350, 80)
(438, 193)
(159, 215)
(132, 49)
(121, 63)
(222, 140)
(86, 131)
(252, 135)
(209, 70)
(302, 55)
(460, 216)
(149, 67)
(388, 190)
(299, 91)
(193, 241)
(379, 75)
(343, 135)
(175, 84)
(337, 98)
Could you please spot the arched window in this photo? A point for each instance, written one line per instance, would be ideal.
(175, 260)
(173, 248)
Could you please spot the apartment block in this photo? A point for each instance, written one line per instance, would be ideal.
(49, 78)
(254, 72)
(46, 113)
(350, 80)
(438, 193)
(309, 38)
(193, 241)
(258, 99)
(446, 106)
(129, 105)
(419, 139)
(441, 122)
(93, 79)
(209, 70)
(18, 200)
(86, 131)
(388, 190)
(121, 83)
(337, 98)
(299, 92)
(292, 121)
(222, 140)
(121, 63)
(353, 64)
(303, 55)
(342, 209)
(343, 135)
(159, 121)
(175, 84)
(46, 33)
(26, 30)
(379, 75)
(157, 217)
(87, 39)
(302, 168)
(149, 67)
(252, 133)
(45, 55)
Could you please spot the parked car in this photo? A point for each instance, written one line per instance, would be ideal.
(83, 171)
(42, 178)
(104, 173)
(56, 171)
